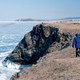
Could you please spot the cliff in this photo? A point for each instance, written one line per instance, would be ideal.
(39, 42)
(60, 63)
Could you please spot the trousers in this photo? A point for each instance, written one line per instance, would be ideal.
(77, 52)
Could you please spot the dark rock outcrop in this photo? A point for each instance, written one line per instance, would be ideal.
(40, 41)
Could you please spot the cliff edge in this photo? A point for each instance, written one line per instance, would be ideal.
(60, 63)
(39, 42)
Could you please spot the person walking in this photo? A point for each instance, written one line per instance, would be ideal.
(76, 44)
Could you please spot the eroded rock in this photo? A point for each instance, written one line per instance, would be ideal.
(40, 41)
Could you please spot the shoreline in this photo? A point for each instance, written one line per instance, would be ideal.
(47, 64)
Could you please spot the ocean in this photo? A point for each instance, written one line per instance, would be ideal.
(10, 35)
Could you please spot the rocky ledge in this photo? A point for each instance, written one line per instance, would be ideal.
(37, 43)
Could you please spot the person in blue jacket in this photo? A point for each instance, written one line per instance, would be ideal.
(76, 44)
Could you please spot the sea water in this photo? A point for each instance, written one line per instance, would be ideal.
(10, 35)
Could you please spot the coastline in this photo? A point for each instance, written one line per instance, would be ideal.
(44, 68)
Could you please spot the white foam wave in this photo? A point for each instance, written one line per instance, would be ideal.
(8, 36)
(7, 69)
(7, 44)
(5, 73)
(3, 77)
(10, 69)
(8, 63)
(12, 65)
(4, 54)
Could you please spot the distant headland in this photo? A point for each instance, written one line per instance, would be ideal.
(30, 19)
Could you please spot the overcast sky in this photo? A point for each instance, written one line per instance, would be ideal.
(39, 9)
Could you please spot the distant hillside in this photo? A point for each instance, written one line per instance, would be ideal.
(70, 18)
(30, 19)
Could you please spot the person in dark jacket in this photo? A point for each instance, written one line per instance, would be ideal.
(76, 44)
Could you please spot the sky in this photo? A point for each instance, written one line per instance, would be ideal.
(39, 9)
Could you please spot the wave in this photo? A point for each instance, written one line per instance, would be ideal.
(10, 64)
(7, 69)
(6, 73)
(8, 44)
(8, 36)
(5, 54)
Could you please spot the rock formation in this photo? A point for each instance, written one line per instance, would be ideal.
(60, 63)
(40, 41)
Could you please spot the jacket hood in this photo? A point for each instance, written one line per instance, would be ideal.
(77, 35)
